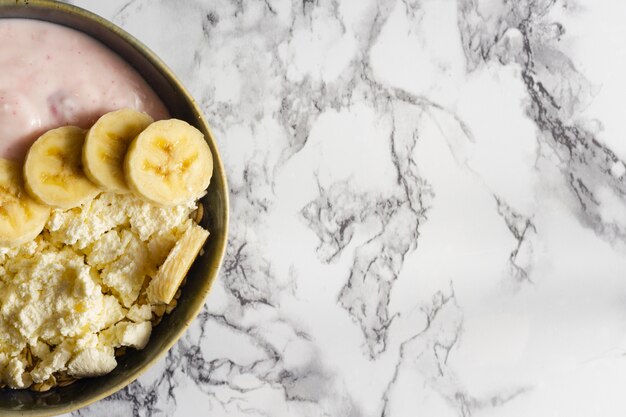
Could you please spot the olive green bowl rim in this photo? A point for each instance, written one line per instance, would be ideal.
(198, 302)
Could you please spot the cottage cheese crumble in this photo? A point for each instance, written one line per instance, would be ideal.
(77, 292)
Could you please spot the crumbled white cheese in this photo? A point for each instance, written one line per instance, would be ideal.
(52, 363)
(68, 295)
(50, 296)
(112, 312)
(146, 219)
(160, 245)
(40, 349)
(125, 275)
(129, 334)
(83, 225)
(106, 249)
(135, 335)
(15, 374)
(92, 362)
(139, 313)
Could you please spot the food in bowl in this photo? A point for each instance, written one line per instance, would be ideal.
(54, 76)
(97, 226)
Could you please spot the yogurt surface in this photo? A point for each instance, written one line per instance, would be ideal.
(51, 76)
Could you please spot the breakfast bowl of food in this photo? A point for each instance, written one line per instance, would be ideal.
(113, 208)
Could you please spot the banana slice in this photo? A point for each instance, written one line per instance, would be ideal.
(163, 287)
(53, 170)
(21, 218)
(106, 144)
(168, 163)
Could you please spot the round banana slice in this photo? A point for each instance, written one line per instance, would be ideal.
(106, 144)
(168, 163)
(21, 218)
(53, 169)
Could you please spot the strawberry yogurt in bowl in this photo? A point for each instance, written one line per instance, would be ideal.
(54, 76)
(62, 66)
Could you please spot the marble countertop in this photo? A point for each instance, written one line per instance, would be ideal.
(428, 208)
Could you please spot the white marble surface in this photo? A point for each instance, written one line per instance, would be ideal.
(428, 208)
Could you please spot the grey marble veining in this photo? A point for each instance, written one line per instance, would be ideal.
(428, 208)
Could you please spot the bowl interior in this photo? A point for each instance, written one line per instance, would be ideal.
(180, 105)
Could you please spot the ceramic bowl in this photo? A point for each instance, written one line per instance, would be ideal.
(180, 105)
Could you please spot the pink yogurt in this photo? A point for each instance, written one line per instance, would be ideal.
(52, 76)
